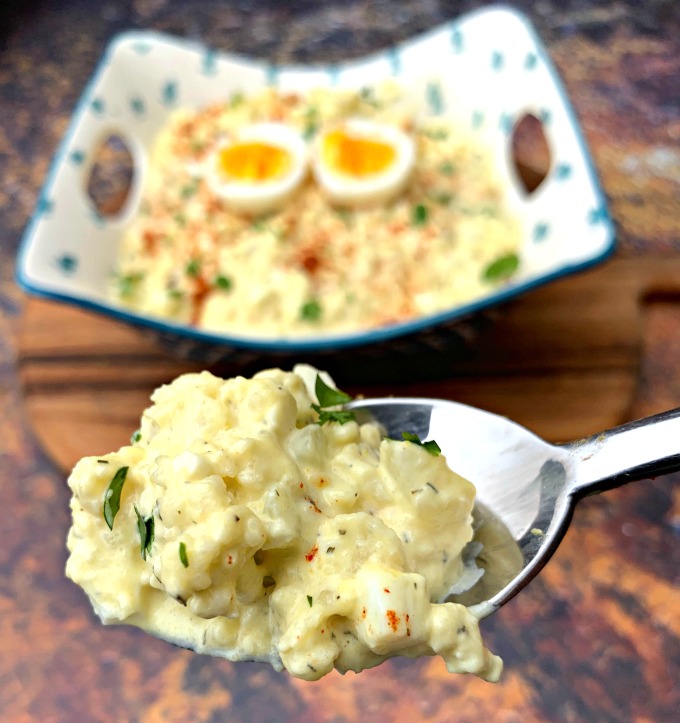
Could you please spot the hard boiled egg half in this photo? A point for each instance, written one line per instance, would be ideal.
(362, 163)
(258, 169)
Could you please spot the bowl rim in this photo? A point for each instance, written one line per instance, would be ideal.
(323, 341)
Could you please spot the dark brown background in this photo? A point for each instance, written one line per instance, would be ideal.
(597, 636)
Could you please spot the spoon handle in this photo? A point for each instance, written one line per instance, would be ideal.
(637, 450)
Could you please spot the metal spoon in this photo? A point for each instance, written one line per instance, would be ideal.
(526, 487)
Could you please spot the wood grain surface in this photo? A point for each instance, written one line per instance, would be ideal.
(563, 361)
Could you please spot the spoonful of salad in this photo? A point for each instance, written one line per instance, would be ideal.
(526, 487)
(276, 519)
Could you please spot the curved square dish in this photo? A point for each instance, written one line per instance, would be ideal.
(490, 70)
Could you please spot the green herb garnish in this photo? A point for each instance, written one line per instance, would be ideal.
(420, 214)
(146, 533)
(367, 94)
(436, 134)
(236, 99)
(310, 130)
(112, 496)
(345, 214)
(340, 416)
(180, 219)
(183, 554)
(223, 282)
(189, 190)
(309, 600)
(432, 447)
(127, 283)
(443, 199)
(136, 436)
(502, 268)
(193, 268)
(447, 168)
(311, 123)
(175, 294)
(311, 311)
(329, 397)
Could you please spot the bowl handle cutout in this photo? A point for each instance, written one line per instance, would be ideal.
(112, 176)
(531, 156)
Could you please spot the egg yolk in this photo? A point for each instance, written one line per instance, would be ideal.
(356, 156)
(254, 161)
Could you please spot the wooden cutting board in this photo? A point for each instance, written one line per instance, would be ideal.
(562, 360)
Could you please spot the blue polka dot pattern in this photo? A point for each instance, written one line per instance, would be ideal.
(138, 106)
(67, 263)
(170, 93)
(209, 63)
(562, 171)
(457, 42)
(541, 231)
(435, 98)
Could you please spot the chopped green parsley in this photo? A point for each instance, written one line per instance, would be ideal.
(145, 527)
(193, 268)
(223, 282)
(502, 268)
(127, 284)
(183, 554)
(431, 446)
(112, 496)
(329, 397)
(189, 190)
(311, 311)
(236, 99)
(436, 134)
(419, 215)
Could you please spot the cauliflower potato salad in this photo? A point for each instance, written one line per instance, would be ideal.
(255, 519)
(337, 211)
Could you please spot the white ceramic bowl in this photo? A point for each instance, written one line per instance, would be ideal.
(485, 70)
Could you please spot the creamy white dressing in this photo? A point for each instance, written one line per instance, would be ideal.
(309, 546)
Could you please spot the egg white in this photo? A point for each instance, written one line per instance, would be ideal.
(344, 188)
(260, 196)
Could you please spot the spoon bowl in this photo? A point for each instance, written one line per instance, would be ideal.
(526, 487)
